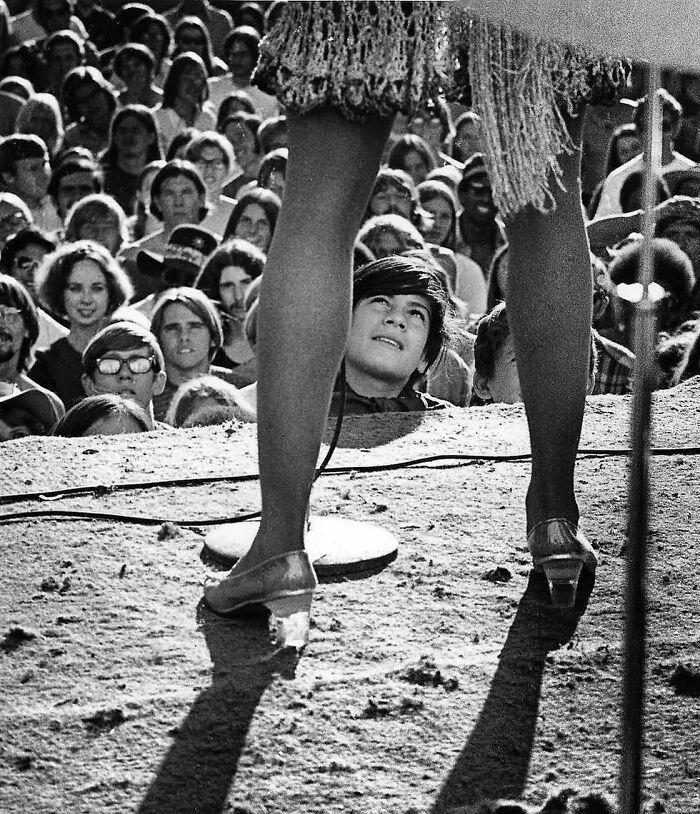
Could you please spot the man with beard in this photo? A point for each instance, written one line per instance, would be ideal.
(479, 233)
(19, 329)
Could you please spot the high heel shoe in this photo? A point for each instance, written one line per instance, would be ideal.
(560, 549)
(284, 584)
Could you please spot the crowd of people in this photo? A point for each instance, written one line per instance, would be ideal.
(141, 178)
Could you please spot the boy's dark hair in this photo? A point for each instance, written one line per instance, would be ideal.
(270, 129)
(197, 302)
(121, 336)
(492, 331)
(14, 294)
(234, 252)
(87, 411)
(72, 166)
(669, 104)
(672, 267)
(18, 147)
(274, 160)
(174, 169)
(633, 183)
(404, 275)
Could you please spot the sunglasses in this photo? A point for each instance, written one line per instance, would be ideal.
(10, 315)
(110, 366)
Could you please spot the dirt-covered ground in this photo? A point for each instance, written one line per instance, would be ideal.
(440, 680)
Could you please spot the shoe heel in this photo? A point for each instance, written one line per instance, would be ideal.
(562, 574)
(291, 616)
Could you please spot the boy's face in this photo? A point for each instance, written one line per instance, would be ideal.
(31, 178)
(388, 336)
(184, 338)
(141, 387)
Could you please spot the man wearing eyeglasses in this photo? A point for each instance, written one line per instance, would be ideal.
(125, 359)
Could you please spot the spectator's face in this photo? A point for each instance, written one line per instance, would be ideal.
(54, 15)
(12, 220)
(192, 82)
(254, 226)
(276, 182)
(477, 202)
(104, 230)
(92, 103)
(385, 243)
(31, 178)
(73, 188)
(628, 146)
(62, 57)
(180, 201)
(687, 236)
(442, 220)
(153, 38)
(135, 73)
(233, 284)
(504, 384)
(25, 264)
(467, 140)
(86, 296)
(18, 422)
(184, 338)
(391, 200)
(132, 139)
(190, 38)
(388, 336)
(240, 60)
(140, 384)
(42, 123)
(243, 141)
(213, 167)
(414, 164)
(13, 332)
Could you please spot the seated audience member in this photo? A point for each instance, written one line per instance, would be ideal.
(467, 136)
(191, 36)
(241, 54)
(10, 103)
(272, 173)
(241, 130)
(135, 65)
(41, 116)
(185, 96)
(217, 21)
(394, 193)
(411, 154)
(225, 279)
(400, 327)
(184, 255)
(14, 216)
(82, 284)
(389, 234)
(153, 31)
(133, 143)
(143, 222)
(272, 134)
(670, 159)
(625, 143)
(433, 123)
(26, 412)
(678, 219)
(106, 414)
(180, 143)
(25, 171)
(71, 181)
(62, 52)
(100, 24)
(90, 102)
(674, 279)
(19, 330)
(496, 378)
(254, 218)
(97, 217)
(43, 18)
(237, 101)
(213, 156)
(448, 175)
(479, 232)
(20, 258)
(205, 401)
(188, 329)
(125, 359)
(441, 204)
(251, 14)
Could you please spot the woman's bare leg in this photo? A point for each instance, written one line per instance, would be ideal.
(550, 311)
(305, 311)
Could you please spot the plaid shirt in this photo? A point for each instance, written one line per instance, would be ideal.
(614, 368)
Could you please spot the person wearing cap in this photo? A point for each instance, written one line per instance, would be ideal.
(20, 258)
(188, 328)
(480, 234)
(183, 256)
(25, 171)
(240, 51)
(125, 359)
(19, 330)
(670, 159)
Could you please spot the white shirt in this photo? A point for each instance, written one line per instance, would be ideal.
(170, 123)
(221, 86)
